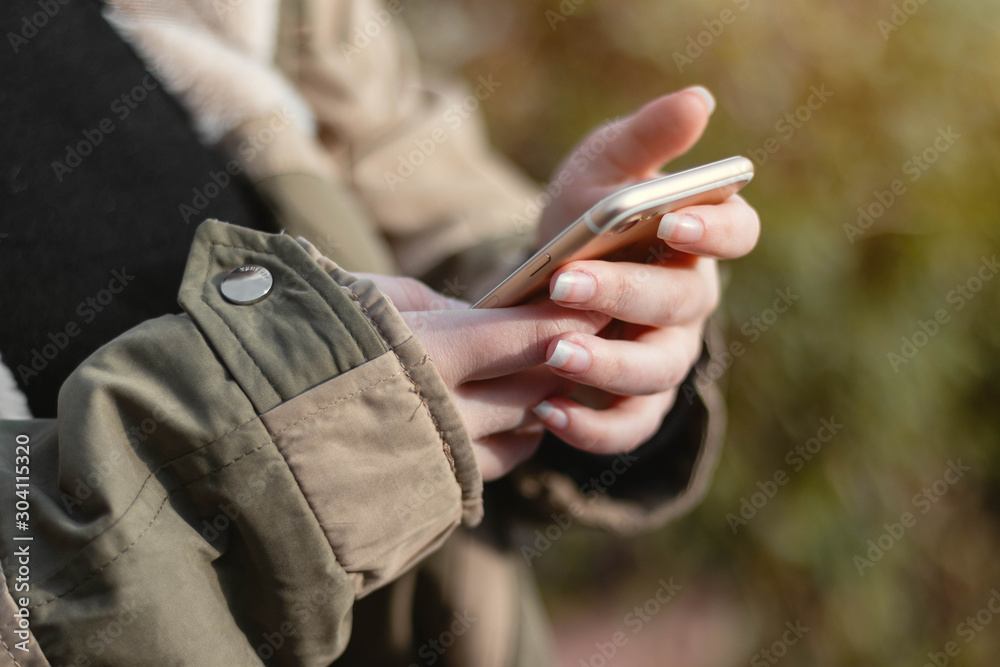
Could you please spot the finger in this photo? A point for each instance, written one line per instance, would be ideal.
(725, 230)
(658, 361)
(488, 343)
(504, 403)
(637, 146)
(648, 294)
(620, 428)
(499, 454)
(408, 294)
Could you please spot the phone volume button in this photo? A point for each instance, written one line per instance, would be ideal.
(541, 264)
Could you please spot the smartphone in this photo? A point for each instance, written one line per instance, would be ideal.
(622, 226)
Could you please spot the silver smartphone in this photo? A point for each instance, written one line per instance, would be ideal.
(622, 226)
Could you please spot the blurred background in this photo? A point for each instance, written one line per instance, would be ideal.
(871, 538)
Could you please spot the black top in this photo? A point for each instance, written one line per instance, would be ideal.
(102, 185)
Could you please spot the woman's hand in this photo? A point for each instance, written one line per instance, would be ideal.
(492, 362)
(664, 304)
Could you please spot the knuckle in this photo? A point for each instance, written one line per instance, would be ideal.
(541, 334)
(673, 298)
(620, 300)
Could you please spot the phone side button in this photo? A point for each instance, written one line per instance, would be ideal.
(493, 302)
(541, 264)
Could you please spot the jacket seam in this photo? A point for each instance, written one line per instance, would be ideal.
(7, 648)
(212, 472)
(151, 522)
(445, 446)
(340, 400)
(150, 476)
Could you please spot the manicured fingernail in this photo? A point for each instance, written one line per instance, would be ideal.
(705, 95)
(570, 357)
(680, 228)
(551, 415)
(574, 287)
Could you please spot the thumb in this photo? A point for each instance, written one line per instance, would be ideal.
(637, 146)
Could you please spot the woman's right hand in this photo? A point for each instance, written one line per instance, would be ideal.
(492, 362)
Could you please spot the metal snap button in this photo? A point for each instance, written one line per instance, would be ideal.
(247, 284)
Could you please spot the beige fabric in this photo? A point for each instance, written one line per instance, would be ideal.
(359, 119)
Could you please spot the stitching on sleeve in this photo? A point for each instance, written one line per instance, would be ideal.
(208, 474)
(349, 396)
(445, 445)
(150, 476)
(7, 648)
(151, 522)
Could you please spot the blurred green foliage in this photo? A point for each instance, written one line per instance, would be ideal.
(893, 90)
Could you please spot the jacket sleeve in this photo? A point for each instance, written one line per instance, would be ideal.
(221, 485)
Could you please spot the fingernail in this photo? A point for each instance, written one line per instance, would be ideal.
(574, 287)
(551, 415)
(680, 228)
(705, 95)
(570, 357)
